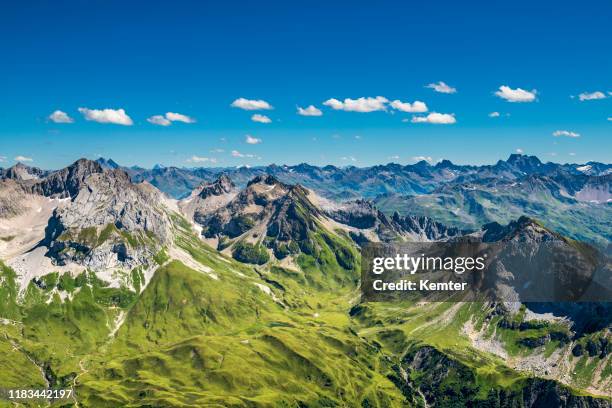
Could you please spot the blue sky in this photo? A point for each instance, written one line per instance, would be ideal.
(196, 58)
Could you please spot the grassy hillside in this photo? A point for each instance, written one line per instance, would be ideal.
(210, 331)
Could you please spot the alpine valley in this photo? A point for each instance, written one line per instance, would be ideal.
(239, 287)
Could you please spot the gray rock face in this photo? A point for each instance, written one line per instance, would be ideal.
(108, 164)
(208, 197)
(223, 185)
(67, 182)
(362, 214)
(11, 199)
(425, 227)
(22, 172)
(110, 222)
(264, 200)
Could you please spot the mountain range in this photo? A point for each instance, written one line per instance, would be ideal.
(240, 287)
(573, 199)
(368, 182)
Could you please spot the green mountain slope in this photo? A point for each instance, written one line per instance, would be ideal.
(197, 327)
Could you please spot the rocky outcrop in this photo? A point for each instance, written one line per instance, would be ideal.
(67, 182)
(223, 185)
(425, 228)
(208, 197)
(109, 223)
(22, 172)
(273, 218)
(12, 199)
(363, 215)
(524, 228)
(267, 208)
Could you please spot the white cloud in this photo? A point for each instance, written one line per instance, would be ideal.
(159, 120)
(217, 150)
(260, 118)
(116, 116)
(442, 88)
(179, 117)
(566, 133)
(436, 118)
(2, 159)
(348, 158)
(415, 107)
(169, 117)
(394, 157)
(516, 95)
(362, 104)
(417, 159)
(519, 151)
(199, 159)
(572, 154)
(60, 117)
(610, 118)
(236, 153)
(311, 110)
(251, 104)
(252, 140)
(589, 96)
(494, 115)
(23, 159)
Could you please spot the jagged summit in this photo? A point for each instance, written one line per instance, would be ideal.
(67, 182)
(265, 179)
(524, 163)
(267, 215)
(264, 199)
(222, 185)
(107, 163)
(376, 226)
(445, 164)
(110, 221)
(208, 197)
(22, 172)
(524, 228)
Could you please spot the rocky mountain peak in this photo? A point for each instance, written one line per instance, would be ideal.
(358, 214)
(265, 179)
(524, 163)
(422, 164)
(67, 182)
(107, 163)
(363, 215)
(22, 172)
(281, 213)
(445, 164)
(109, 222)
(524, 228)
(222, 185)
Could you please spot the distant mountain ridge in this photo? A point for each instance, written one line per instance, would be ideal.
(363, 182)
(461, 196)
